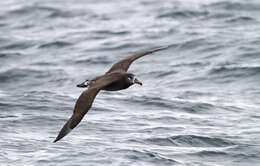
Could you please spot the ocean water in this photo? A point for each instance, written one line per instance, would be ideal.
(198, 106)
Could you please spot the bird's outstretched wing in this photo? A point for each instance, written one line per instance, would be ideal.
(82, 106)
(84, 103)
(124, 64)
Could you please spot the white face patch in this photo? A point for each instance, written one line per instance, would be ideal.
(133, 80)
(86, 83)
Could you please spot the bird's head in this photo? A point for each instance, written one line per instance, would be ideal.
(131, 78)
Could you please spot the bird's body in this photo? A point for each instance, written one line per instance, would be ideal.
(120, 84)
(121, 81)
(115, 79)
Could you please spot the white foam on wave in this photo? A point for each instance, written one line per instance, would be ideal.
(2, 93)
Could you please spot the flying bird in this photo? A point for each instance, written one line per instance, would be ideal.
(116, 78)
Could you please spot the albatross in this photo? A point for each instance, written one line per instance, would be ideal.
(116, 78)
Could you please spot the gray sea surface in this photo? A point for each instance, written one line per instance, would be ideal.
(198, 106)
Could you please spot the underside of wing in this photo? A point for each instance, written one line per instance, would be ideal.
(70, 124)
(83, 104)
(124, 64)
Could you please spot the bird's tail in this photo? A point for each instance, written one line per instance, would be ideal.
(71, 123)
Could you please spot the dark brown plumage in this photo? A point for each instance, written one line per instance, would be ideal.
(115, 79)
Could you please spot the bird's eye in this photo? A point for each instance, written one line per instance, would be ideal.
(129, 78)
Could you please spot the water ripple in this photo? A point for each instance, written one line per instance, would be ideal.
(190, 141)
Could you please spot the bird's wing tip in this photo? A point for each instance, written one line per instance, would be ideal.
(55, 140)
(64, 131)
(164, 47)
(161, 48)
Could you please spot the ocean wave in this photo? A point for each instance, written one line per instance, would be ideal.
(45, 11)
(197, 107)
(148, 156)
(55, 44)
(183, 14)
(160, 74)
(236, 6)
(194, 44)
(111, 32)
(241, 20)
(235, 71)
(17, 45)
(190, 141)
(220, 15)
(154, 101)
(93, 60)
(7, 116)
(29, 74)
(112, 46)
(251, 54)
(13, 74)
(190, 64)
(9, 55)
(208, 153)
